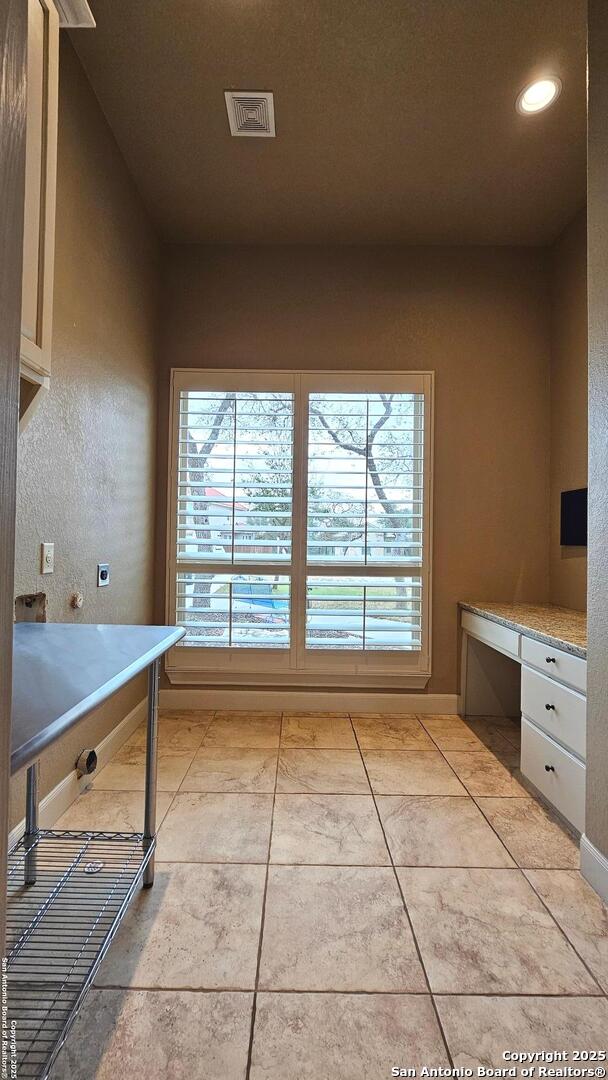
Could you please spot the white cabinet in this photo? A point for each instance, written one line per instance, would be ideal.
(493, 634)
(556, 774)
(39, 208)
(558, 710)
(551, 692)
(554, 730)
(555, 663)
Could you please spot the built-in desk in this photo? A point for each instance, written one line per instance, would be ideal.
(530, 660)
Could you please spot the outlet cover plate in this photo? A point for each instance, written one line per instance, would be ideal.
(103, 574)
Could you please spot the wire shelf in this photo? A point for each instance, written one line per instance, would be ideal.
(59, 929)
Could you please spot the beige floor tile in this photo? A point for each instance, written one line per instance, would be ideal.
(193, 716)
(510, 757)
(323, 771)
(225, 768)
(157, 1034)
(411, 772)
(216, 828)
(391, 733)
(580, 913)
(482, 774)
(133, 751)
(321, 732)
(131, 776)
(509, 729)
(479, 1029)
(301, 714)
(486, 931)
(343, 1036)
(339, 829)
(135, 744)
(198, 927)
(247, 730)
(337, 928)
(533, 835)
(383, 715)
(173, 734)
(493, 740)
(451, 733)
(247, 714)
(439, 831)
(114, 811)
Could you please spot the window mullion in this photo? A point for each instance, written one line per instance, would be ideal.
(366, 481)
(299, 523)
(234, 435)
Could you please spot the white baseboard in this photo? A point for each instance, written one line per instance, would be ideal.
(53, 805)
(309, 701)
(594, 867)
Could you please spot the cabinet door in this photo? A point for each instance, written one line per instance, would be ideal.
(40, 180)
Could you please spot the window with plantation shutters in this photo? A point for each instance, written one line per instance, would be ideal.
(299, 530)
(365, 478)
(235, 476)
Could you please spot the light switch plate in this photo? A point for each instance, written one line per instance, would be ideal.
(47, 558)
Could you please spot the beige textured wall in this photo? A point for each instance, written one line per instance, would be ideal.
(87, 459)
(597, 710)
(568, 584)
(479, 317)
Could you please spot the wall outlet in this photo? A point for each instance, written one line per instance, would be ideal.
(47, 558)
(103, 574)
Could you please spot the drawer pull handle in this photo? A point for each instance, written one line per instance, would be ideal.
(551, 660)
(549, 768)
(549, 708)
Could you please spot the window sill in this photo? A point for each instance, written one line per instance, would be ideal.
(296, 679)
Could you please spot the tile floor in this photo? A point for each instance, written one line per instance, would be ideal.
(337, 895)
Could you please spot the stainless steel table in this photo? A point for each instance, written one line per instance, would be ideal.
(67, 889)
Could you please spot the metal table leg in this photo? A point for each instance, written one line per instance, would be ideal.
(31, 823)
(151, 767)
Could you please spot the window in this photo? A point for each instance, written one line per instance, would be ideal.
(299, 526)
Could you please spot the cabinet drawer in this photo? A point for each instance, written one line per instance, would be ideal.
(555, 662)
(564, 719)
(497, 636)
(557, 775)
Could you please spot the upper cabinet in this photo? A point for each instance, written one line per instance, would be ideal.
(39, 210)
(40, 183)
(45, 17)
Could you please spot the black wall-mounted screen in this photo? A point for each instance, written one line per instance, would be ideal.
(573, 527)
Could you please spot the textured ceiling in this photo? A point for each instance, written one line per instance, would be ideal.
(395, 118)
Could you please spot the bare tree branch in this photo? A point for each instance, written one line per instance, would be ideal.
(197, 481)
(209, 444)
(334, 435)
(390, 508)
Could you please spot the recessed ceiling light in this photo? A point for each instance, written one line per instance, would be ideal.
(539, 95)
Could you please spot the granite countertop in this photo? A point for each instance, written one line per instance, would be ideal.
(562, 627)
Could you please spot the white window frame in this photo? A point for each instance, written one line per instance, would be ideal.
(298, 666)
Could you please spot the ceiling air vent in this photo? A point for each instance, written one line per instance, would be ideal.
(250, 112)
